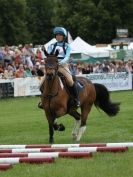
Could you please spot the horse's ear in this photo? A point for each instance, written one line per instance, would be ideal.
(45, 52)
(56, 53)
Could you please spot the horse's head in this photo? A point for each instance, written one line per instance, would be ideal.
(51, 65)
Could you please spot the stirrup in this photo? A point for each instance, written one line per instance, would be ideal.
(40, 105)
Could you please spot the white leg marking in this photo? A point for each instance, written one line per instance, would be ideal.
(61, 84)
(80, 133)
(76, 129)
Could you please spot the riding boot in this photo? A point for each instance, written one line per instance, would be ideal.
(74, 92)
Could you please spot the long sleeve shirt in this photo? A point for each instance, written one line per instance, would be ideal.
(64, 51)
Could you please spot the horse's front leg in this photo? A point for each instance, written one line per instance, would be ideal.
(77, 124)
(51, 132)
(85, 109)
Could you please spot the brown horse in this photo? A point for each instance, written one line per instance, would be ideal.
(57, 101)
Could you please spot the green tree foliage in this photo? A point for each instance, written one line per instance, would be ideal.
(95, 21)
(13, 26)
(39, 20)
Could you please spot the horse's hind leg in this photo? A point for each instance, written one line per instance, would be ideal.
(77, 123)
(85, 109)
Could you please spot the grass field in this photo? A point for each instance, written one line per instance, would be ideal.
(21, 122)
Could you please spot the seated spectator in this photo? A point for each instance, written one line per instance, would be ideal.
(27, 72)
(84, 69)
(121, 67)
(87, 69)
(91, 67)
(112, 68)
(99, 68)
(73, 68)
(105, 68)
(9, 72)
(79, 64)
(40, 69)
(129, 66)
(32, 52)
(27, 55)
(20, 71)
(17, 56)
(8, 56)
(96, 67)
(34, 71)
(42, 63)
(79, 70)
(1, 71)
(38, 55)
(1, 68)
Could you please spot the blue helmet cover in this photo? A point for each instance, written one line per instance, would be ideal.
(60, 30)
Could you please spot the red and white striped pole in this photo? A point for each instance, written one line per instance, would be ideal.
(122, 144)
(47, 157)
(70, 149)
(36, 160)
(5, 166)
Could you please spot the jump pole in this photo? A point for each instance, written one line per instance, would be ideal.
(70, 149)
(122, 144)
(5, 157)
(4, 167)
(15, 146)
(35, 160)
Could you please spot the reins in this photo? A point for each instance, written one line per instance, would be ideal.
(51, 95)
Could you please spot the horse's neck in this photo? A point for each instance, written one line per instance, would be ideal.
(52, 86)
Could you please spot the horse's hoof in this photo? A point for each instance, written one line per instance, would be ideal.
(74, 136)
(77, 139)
(55, 126)
(61, 127)
(51, 141)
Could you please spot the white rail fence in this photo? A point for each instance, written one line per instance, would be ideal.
(29, 86)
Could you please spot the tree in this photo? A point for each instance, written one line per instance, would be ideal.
(95, 21)
(39, 20)
(13, 23)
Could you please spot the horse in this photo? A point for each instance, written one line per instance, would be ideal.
(57, 101)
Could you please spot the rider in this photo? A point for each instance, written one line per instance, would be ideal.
(63, 59)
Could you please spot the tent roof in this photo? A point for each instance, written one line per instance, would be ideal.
(80, 46)
(50, 42)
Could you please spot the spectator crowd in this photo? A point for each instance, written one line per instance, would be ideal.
(27, 61)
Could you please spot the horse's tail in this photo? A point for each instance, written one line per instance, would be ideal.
(103, 100)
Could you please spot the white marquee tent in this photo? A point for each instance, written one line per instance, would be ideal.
(80, 46)
(50, 42)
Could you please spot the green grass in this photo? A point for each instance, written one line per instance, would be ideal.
(21, 122)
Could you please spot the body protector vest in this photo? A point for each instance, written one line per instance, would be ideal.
(62, 47)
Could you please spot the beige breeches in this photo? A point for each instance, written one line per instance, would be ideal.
(64, 69)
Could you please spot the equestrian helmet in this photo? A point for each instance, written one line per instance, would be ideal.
(60, 30)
